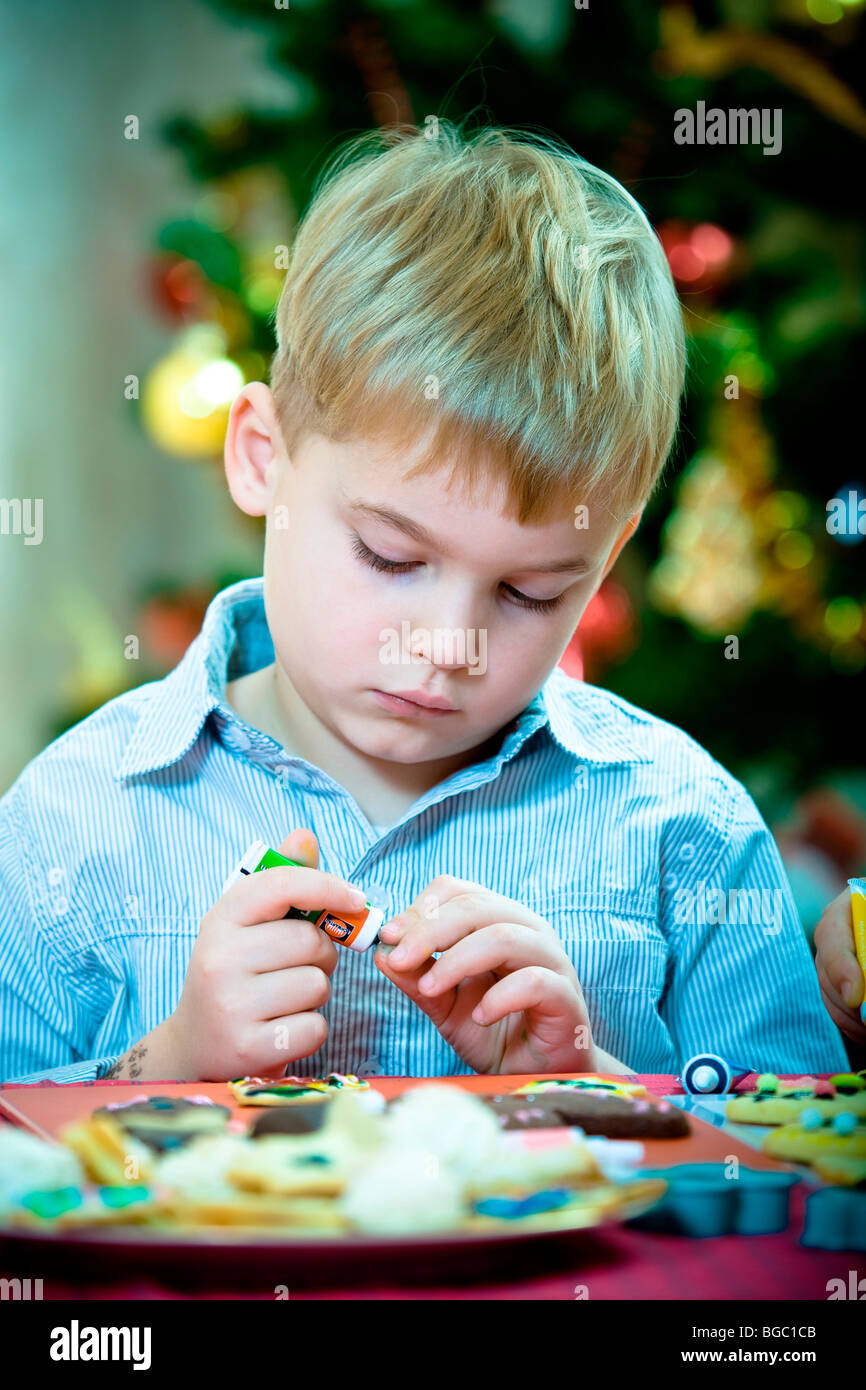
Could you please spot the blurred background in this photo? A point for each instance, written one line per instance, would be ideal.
(155, 160)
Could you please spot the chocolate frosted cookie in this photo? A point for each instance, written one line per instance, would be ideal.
(289, 1119)
(616, 1117)
(166, 1122)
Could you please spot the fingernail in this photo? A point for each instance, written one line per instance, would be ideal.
(399, 953)
(479, 1018)
(852, 995)
(358, 898)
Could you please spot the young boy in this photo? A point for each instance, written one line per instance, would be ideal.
(480, 359)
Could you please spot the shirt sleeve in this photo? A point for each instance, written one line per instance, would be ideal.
(45, 1022)
(743, 982)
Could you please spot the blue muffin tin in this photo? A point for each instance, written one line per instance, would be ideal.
(702, 1201)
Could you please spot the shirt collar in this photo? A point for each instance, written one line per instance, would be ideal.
(234, 639)
(586, 721)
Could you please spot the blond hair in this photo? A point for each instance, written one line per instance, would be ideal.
(497, 290)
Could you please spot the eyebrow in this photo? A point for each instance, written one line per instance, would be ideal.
(419, 533)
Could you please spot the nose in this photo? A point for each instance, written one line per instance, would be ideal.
(444, 633)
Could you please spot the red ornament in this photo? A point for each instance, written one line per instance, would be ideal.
(168, 623)
(701, 256)
(177, 287)
(607, 634)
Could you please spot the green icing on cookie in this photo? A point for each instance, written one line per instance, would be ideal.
(53, 1203)
(123, 1196)
(848, 1082)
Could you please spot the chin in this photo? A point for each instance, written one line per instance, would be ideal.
(396, 745)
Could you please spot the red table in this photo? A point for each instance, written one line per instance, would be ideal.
(618, 1262)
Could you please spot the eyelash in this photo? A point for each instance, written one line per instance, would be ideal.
(378, 562)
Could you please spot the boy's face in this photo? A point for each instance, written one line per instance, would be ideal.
(343, 630)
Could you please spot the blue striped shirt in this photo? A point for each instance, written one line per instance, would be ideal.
(650, 861)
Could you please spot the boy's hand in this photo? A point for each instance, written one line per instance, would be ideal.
(499, 960)
(255, 981)
(839, 973)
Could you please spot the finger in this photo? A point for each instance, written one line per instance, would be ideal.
(302, 846)
(292, 1036)
(281, 992)
(545, 997)
(427, 903)
(438, 1008)
(459, 917)
(846, 1021)
(501, 947)
(266, 896)
(828, 989)
(279, 945)
(834, 943)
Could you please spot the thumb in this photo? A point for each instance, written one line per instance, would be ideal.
(302, 846)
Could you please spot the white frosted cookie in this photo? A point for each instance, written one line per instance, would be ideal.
(519, 1172)
(29, 1164)
(200, 1168)
(448, 1123)
(404, 1191)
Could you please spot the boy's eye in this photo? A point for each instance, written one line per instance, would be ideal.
(378, 562)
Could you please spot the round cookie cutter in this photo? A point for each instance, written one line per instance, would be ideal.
(701, 1201)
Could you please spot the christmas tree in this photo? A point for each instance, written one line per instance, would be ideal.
(737, 612)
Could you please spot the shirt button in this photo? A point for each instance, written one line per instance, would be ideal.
(289, 773)
(371, 1066)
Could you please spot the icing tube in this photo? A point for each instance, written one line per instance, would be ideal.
(357, 930)
(858, 921)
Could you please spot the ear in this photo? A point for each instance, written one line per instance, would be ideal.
(253, 448)
(626, 535)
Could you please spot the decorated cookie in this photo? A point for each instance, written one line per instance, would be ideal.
(289, 1090)
(317, 1162)
(402, 1192)
(835, 1146)
(199, 1170)
(616, 1117)
(110, 1154)
(313, 1215)
(775, 1102)
(520, 1172)
(28, 1162)
(71, 1207)
(588, 1082)
(166, 1122)
(450, 1124)
(283, 1165)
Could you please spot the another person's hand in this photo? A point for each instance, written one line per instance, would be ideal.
(499, 961)
(839, 973)
(255, 981)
